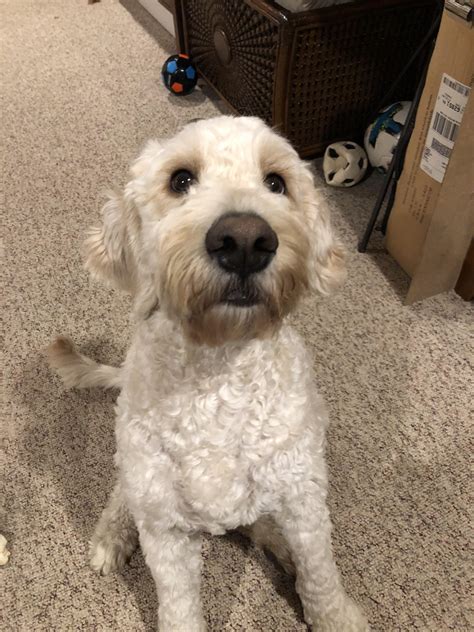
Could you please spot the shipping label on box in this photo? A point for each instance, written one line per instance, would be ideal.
(444, 127)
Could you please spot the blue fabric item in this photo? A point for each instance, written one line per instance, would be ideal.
(385, 122)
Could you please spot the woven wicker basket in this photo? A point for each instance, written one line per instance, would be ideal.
(318, 75)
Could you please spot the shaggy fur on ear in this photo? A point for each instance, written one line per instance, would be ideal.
(327, 259)
(328, 255)
(113, 254)
(109, 248)
(112, 249)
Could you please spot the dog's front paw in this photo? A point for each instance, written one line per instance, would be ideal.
(349, 618)
(110, 555)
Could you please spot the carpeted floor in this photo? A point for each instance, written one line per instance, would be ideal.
(81, 93)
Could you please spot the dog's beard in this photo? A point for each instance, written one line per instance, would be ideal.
(238, 309)
(223, 323)
(229, 309)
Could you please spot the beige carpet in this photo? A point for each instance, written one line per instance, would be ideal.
(81, 93)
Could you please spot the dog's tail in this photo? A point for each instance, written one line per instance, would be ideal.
(78, 370)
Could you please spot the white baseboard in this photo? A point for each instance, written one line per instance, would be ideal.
(160, 13)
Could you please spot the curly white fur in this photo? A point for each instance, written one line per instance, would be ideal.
(219, 424)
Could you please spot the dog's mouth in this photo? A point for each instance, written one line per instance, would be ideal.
(241, 293)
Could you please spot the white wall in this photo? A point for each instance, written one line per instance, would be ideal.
(160, 13)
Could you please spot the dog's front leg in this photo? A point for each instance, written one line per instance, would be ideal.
(306, 525)
(174, 558)
(115, 536)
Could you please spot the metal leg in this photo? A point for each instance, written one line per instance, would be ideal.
(363, 243)
(396, 166)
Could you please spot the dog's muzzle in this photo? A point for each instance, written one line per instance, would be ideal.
(241, 243)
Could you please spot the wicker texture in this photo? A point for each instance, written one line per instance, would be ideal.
(340, 72)
(246, 82)
(319, 75)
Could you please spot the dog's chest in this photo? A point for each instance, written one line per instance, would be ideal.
(203, 432)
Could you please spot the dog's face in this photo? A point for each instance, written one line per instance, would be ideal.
(221, 227)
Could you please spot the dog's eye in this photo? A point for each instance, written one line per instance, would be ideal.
(181, 180)
(275, 183)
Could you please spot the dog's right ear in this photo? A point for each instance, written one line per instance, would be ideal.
(110, 248)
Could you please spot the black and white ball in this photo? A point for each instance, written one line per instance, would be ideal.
(344, 164)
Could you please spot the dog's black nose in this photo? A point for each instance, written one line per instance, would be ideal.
(242, 243)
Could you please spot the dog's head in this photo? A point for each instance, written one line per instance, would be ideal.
(222, 228)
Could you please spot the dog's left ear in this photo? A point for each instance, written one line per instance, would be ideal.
(327, 255)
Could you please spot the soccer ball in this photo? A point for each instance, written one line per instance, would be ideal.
(179, 74)
(344, 164)
(382, 136)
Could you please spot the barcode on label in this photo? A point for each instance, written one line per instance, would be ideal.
(445, 127)
(455, 85)
(444, 150)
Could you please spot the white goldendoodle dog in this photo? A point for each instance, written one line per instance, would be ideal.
(217, 235)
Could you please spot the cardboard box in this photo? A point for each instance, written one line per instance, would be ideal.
(432, 221)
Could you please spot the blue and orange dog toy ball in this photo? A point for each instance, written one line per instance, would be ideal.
(179, 74)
